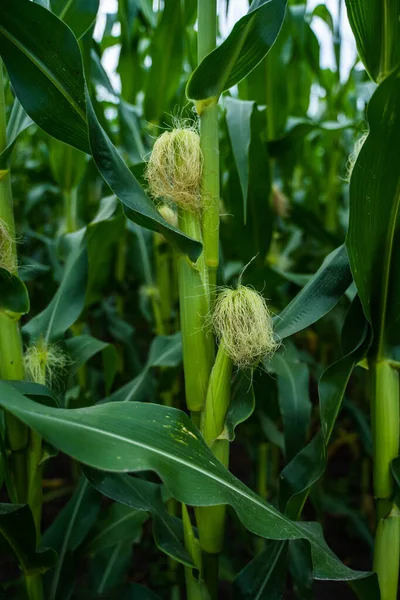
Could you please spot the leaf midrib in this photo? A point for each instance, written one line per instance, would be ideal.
(171, 457)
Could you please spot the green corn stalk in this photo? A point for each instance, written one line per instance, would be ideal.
(385, 434)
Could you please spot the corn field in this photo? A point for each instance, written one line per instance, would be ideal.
(199, 299)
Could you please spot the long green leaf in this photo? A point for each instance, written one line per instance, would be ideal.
(376, 27)
(373, 237)
(294, 402)
(69, 300)
(317, 297)
(127, 436)
(247, 44)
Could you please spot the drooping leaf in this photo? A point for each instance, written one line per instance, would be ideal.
(18, 529)
(373, 242)
(36, 391)
(247, 44)
(318, 296)
(166, 441)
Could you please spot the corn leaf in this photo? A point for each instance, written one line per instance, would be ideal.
(69, 300)
(373, 242)
(129, 436)
(249, 41)
(318, 296)
(377, 30)
(79, 15)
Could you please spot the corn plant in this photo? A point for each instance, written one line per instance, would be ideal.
(198, 302)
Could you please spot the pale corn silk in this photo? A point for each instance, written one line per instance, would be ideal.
(242, 322)
(7, 259)
(45, 363)
(174, 169)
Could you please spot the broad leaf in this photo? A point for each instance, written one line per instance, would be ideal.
(247, 44)
(129, 436)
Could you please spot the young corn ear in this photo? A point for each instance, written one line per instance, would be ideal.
(175, 167)
(44, 363)
(7, 260)
(242, 322)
